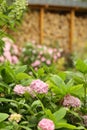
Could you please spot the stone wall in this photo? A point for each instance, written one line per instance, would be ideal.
(80, 32)
(56, 28)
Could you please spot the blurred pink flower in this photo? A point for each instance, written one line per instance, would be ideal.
(7, 40)
(85, 119)
(54, 50)
(7, 56)
(19, 89)
(39, 86)
(14, 59)
(59, 54)
(50, 51)
(48, 62)
(43, 59)
(41, 53)
(7, 46)
(29, 90)
(2, 59)
(39, 46)
(39, 56)
(36, 63)
(55, 57)
(15, 49)
(35, 68)
(71, 101)
(46, 124)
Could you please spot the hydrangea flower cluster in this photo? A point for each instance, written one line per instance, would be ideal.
(37, 86)
(71, 101)
(41, 54)
(46, 124)
(19, 90)
(85, 120)
(15, 117)
(11, 52)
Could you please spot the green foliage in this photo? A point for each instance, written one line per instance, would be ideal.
(3, 116)
(49, 105)
(10, 16)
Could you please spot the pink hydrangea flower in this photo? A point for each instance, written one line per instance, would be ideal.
(50, 51)
(36, 63)
(48, 62)
(15, 49)
(29, 90)
(14, 59)
(46, 124)
(59, 54)
(2, 59)
(7, 56)
(71, 101)
(7, 40)
(39, 86)
(55, 57)
(19, 89)
(43, 59)
(7, 46)
(85, 119)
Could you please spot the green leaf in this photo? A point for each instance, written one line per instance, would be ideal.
(75, 88)
(81, 66)
(25, 127)
(3, 116)
(79, 78)
(58, 81)
(20, 69)
(6, 100)
(21, 76)
(58, 91)
(40, 72)
(26, 82)
(69, 126)
(50, 115)
(70, 83)
(36, 104)
(7, 73)
(60, 114)
(65, 125)
(62, 75)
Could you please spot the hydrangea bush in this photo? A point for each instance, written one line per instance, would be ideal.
(39, 55)
(37, 103)
(11, 13)
(10, 52)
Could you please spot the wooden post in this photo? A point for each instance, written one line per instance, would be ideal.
(71, 33)
(41, 25)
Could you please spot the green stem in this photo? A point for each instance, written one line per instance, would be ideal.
(85, 91)
(84, 96)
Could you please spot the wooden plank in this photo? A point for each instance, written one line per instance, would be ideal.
(71, 32)
(41, 25)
